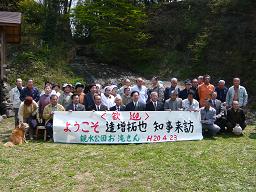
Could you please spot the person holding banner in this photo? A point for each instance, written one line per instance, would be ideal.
(190, 104)
(48, 114)
(135, 105)
(118, 106)
(208, 117)
(154, 104)
(75, 105)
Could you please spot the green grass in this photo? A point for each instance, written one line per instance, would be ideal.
(226, 163)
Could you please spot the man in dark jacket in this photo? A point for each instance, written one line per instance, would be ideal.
(118, 106)
(31, 91)
(98, 106)
(75, 105)
(135, 105)
(154, 104)
(89, 101)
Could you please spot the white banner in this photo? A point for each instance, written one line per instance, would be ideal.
(115, 127)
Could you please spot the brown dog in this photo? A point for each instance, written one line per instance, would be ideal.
(18, 135)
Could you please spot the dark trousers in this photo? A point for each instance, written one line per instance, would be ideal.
(32, 122)
(16, 117)
(221, 122)
(49, 128)
(230, 126)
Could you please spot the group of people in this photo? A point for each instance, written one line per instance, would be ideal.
(221, 108)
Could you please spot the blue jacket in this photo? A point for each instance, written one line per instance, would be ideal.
(34, 93)
(221, 93)
(242, 96)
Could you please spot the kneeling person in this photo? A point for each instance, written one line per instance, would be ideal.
(49, 112)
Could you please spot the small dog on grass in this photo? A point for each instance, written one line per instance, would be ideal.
(18, 135)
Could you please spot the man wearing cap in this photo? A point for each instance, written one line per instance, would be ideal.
(173, 103)
(65, 98)
(79, 90)
(184, 93)
(89, 98)
(190, 104)
(208, 117)
(75, 105)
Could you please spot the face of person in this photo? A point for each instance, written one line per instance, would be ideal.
(173, 83)
(76, 99)
(221, 85)
(173, 97)
(154, 97)
(135, 97)
(67, 89)
(47, 90)
(154, 82)
(56, 88)
(114, 91)
(79, 89)
(200, 80)
(194, 83)
(235, 105)
(139, 82)
(188, 86)
(206, 104)
(118, 101)
(54, 100)
(214, 95)
(30, 84)
(127, 92)
(97, 100)
(127, 82)
(107, 91)
(207, 80)
(19, 83)
(93, 89)
(236, 82)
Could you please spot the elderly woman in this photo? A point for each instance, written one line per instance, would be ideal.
(27, 114)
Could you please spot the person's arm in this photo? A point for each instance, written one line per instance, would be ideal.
(47, 113)
(23, 94)
(228, 98)
(20, 113)
(37, 93)
(245, 101)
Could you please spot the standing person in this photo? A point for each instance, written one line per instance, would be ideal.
(48, 114)
(195, 89)
(173, 103)
(143, 91)
(126, 84)
(31, 91)
(205, 90)
(47, 83)
(114, 91)
(126, 96)
(89, 99)
(237, 93)
(174, 86)
(75, 105)
(156, 87)
(107, 99)
(44, 100)
(200, 80)
(15, 99)
(208, 117)
(27, 114)
(221, 90)
(235, 116)
(56, 88)
(65, 98)
(135, 104)
(154, 104)
(190, 104)
(79, 90)
(119, 106)
(184, 93)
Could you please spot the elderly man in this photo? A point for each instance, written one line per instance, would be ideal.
(89, 100)
(235, 116)
(208, 117)
(44, 100)
(221, 90)
(75, 105)
(205, 90)
(184, 93)
(135, 104)
(126, 97)
(65, 97)
(190, 104)
(143, 91)
(168, 90)
(126, 84)
(156, 87)
(15, 99)
(154, 104)
(107, 99)
(237, 93)
(118, 106)
(173, 103)
(79, 90)
(195, 88)
(31, 91)
(48, 114)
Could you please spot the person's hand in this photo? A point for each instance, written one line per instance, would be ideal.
(52, 112)
(69, 110)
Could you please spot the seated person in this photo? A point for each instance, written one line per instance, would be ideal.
(119, 106)
(154, 104)
(75, 105)
(27, 114)
(48, 114)
(173, 103)
(98, 106)
(190, 104)
(235, 115)
(208, 117)
(135, 104)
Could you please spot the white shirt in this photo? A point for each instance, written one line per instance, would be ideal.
(108, 101)
(187, 107)
(143, 93)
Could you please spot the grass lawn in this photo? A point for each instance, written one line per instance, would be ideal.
(226, 163)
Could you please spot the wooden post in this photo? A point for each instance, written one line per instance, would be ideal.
(2, 54)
